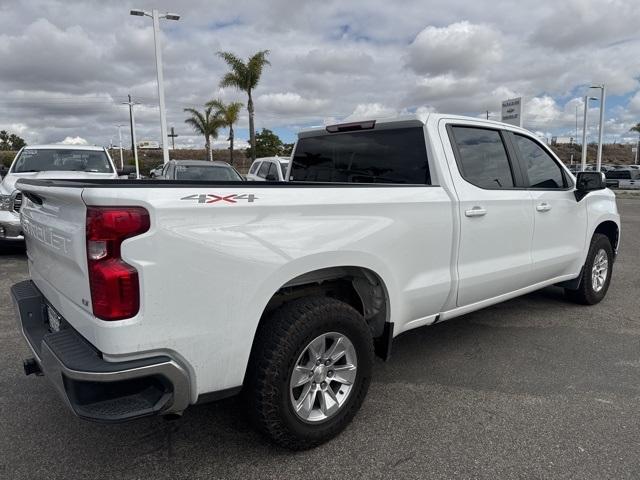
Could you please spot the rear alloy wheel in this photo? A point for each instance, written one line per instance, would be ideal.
(323, 377)
(596, 273)
(309, 371)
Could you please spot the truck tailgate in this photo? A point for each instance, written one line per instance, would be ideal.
(53, 221)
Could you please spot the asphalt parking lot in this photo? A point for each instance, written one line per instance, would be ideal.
(532, 388)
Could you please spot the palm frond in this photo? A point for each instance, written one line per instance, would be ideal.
(231, 79)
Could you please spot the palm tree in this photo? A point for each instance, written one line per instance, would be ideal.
(245, 77)
(206, 124)
(635, 128)
(228, 114)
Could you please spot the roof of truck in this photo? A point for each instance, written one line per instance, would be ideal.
(408, 120)
(55, 146)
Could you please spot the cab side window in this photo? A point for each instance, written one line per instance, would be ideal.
(482, 157)
(540, 167)
(264, 168)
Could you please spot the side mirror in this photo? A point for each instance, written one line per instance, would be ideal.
(588, 182)
(271, 178)
(126, 171)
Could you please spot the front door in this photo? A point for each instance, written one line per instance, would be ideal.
(560, 222)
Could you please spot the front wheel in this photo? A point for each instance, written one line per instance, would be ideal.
(309, 371)
(596, 273)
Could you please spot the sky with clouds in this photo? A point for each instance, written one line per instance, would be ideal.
(67, 66)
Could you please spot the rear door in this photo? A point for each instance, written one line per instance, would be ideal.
(560, 222)
(496, 218)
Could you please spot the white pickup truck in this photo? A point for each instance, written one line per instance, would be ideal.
(147, 297)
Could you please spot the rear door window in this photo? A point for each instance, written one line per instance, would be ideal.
(264, 168)
(482, 157)
(396, 155)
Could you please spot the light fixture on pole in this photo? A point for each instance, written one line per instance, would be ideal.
(603, 94)
(120, 138)
(583, 164)
(156, 16)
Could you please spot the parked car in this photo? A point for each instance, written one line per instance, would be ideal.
(622, 177)
(159, 296)
(199, 170)
(48, 161)
(270, 169)
(157, 171)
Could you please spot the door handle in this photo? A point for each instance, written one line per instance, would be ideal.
(476, 212)
(543, 207)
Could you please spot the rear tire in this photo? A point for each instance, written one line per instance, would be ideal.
(596, 273)
(286, 345)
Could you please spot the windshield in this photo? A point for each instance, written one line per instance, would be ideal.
(206, 172)
(32, 160)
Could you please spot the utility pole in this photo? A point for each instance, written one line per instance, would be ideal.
(133, 136)
(173, 136)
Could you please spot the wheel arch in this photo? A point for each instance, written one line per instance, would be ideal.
(363, 286)
(611, 230)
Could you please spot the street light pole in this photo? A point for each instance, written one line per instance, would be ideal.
(120, 138)
(133, 135)
(601, 129)
(583, 165)
(163, 117)
(155, 16)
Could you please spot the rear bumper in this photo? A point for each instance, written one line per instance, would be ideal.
(10, 228)
(93, 388)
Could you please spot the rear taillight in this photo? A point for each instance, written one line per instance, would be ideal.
(115, 290)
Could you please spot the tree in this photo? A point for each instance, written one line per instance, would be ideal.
(268, 144)
(635, 128)
(11, 141)
(245, 77)
(206, 124)
(228, 114)
(287, 149)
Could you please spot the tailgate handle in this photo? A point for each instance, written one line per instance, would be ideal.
(34, 198)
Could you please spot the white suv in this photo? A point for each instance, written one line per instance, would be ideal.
(268, 169)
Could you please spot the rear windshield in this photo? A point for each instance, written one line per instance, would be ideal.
(201, 172)
(54, 160)
(376, 156)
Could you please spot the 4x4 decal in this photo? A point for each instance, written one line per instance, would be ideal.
(213, 198)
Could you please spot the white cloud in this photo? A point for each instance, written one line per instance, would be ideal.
(457, 48)
(74, 141)
(289, 103)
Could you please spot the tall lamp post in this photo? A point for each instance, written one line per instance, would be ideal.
(120, 138)
(156, 16)
(583, 164)
(603, 94)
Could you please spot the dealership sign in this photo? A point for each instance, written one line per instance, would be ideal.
(512, 111)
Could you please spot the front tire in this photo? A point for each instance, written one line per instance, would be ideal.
(309, 371)
(596, 273)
